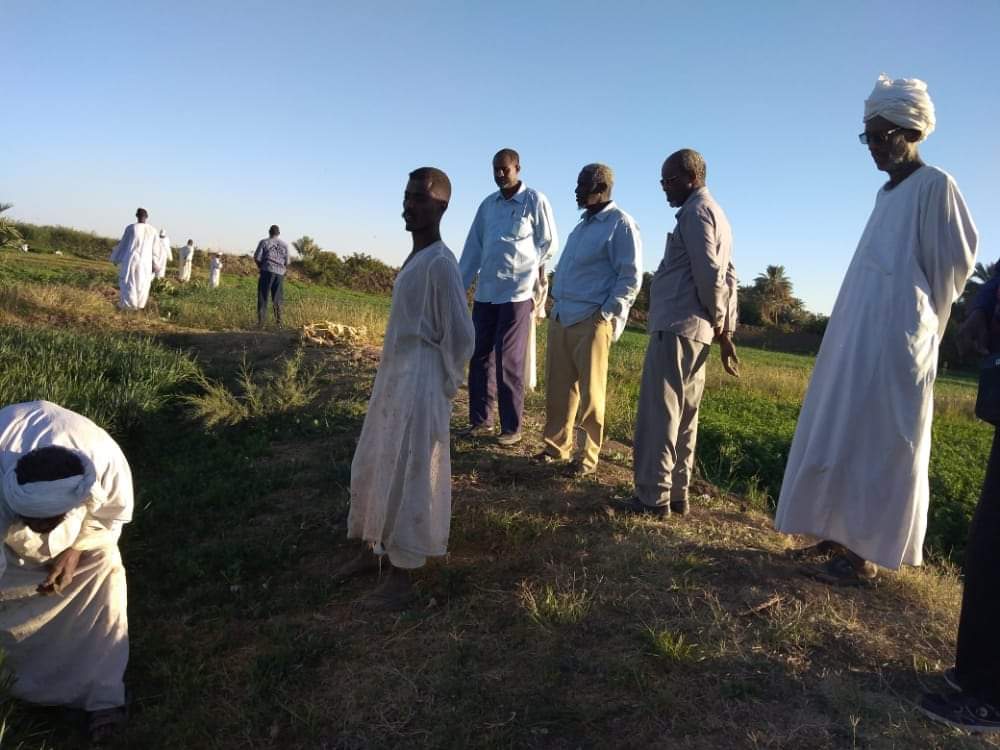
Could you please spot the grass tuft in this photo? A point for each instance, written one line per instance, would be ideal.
(671, 646)
(549, 605)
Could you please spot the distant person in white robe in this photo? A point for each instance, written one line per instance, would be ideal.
(401, 473)
(215, 271)
(66, 492)
(134, 255)
(540, 294)
(185, 258)
(856, 476)
(164, 255)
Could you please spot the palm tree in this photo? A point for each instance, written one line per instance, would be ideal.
(306, 247)
(980, 275)
(775, 292)
(9, 236)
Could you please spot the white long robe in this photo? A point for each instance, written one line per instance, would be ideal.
(540, 294)
(401, 472)
(215, 272)
(69, 649)
(134, 257)
(164, 254)
(186, 254)
(857, 469)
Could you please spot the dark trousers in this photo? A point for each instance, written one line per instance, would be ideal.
(269, 284)
(978, 654)
(501, 344)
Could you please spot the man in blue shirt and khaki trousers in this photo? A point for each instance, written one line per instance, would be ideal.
(512, 236)
(594, 287)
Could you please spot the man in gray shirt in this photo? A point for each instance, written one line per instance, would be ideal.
(271, 257)
(692, 302)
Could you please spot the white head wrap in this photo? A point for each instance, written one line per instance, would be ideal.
(903, 102)
(50, 499)
(163, 232)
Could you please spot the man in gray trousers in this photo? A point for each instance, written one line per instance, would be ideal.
(692, 302)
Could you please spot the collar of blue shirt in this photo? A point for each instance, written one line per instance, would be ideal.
(519, 196)
(601, 215)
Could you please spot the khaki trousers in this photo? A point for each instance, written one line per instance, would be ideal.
(576, 377)
(666, 428)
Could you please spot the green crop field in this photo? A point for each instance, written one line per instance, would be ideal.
(554, 621)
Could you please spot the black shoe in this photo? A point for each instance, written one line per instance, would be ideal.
(475, 430)
(578, 470)
(962, 711)
(637, 506)
(840, 571)
(546, 459)
(680, 507)
(818, 552)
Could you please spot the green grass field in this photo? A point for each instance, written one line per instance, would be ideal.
(553, 623)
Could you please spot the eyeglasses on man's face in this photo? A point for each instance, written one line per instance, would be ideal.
(665, 181)
(877, 139)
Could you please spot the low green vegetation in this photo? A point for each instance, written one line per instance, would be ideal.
(746, 427)
(555, 621)
(116, 381)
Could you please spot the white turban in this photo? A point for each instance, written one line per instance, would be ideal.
(50, 499)
(903, 102)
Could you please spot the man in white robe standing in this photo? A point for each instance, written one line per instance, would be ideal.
(134, 256)
(401, 473)
(856, 476)
(164, 254)
(65, 493)
(186, 256)
(215, 271)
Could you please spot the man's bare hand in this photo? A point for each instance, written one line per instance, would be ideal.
(730, 362)
(974, 334)
(61, 572)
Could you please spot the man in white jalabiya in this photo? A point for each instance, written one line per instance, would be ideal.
(164, 254)
(134, 256)
(66, 492)
(185, 258)
(215, 271)
(857, 470)
(401, 473)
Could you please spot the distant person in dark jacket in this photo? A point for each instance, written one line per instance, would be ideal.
(271, 258)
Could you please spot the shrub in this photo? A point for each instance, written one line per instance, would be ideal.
(359, 272)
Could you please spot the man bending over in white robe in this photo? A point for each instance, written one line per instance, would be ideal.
(66, 492)
(857, 470)
(401, 473)
(134, 256)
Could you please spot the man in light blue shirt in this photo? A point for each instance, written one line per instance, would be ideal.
(595, 285)
(512, 236)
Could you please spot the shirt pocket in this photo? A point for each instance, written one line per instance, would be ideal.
(520, 228)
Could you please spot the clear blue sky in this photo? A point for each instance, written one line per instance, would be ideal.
(224, 117)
